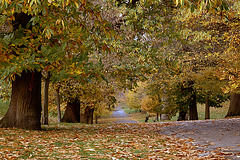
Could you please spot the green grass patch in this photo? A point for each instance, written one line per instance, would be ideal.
(3, 107)
(215, 113)
(102, 141)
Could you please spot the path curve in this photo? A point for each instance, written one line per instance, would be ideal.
(210, 135)
(121, 116)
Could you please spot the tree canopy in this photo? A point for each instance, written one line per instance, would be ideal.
(183, 49)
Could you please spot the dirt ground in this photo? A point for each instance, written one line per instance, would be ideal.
(209, 135)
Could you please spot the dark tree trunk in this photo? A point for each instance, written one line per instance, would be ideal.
(182, 115)
(207, 107)
(157, 116)
(193, 102)
(234, 108)
(58, 104)
(45, 99)
(72, 112)
(96, 120)
(25, 105)
(193, 108)
(89, 115)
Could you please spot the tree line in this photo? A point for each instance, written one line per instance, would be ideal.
(186, 51)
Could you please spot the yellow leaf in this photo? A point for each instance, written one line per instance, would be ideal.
(76, 4)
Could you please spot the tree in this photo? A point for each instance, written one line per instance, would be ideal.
(72, 112)
(24, 112)
(228, 67)
(58, 103)
(234, 106)
(45, 98)
(41, 34)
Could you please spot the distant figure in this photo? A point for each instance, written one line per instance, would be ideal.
(146, 120)
(155, 119)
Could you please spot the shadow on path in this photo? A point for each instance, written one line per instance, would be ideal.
(121, 116)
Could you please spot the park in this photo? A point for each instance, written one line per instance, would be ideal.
(116, 79)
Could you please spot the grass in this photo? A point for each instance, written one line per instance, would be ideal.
(98, 141)
(3, 107)
(215, 113)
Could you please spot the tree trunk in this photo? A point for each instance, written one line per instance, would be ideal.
(25, 105)
(96, 119)
(58, 104)
(207, 107)
(234, 108)
(182, 115)
(45, 99)
(72, 112)
(89, 115)
(193, 105)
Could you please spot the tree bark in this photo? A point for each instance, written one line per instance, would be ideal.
(58, 104)
(87, 116)
(96, 119)
(193, 103)
(25, 105)
(157, 116)
(72, 112)
(234, 108)
(45, 99)
(207, 107)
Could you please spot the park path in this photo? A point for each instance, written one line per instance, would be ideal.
(210, 135)
(121, 117)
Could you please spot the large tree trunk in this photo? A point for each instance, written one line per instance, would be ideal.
(58, 104)
(234, 108)
(72, 112)
(25, 105)
(45, 99)
(207, 107)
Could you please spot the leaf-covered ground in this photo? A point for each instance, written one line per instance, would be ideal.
(102, 141)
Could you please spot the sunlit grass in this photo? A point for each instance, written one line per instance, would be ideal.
(3, 108)
(215, 113)
(102, 141)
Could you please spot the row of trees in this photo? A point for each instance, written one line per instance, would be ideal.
(62, 38)
(195, 61)
(187, 52)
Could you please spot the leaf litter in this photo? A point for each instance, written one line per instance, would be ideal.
(99, 141)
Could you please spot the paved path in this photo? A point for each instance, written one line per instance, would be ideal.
(210, 134)
(121, 116)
